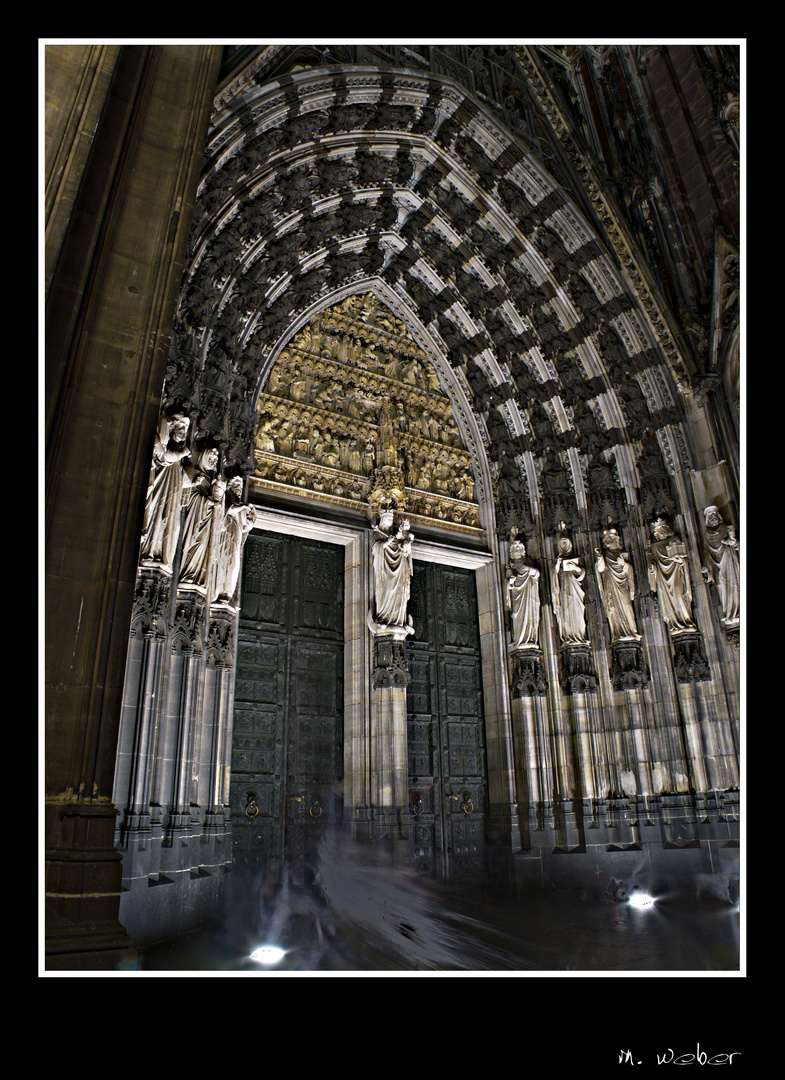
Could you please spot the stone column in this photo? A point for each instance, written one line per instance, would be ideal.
(217, 712)
(536, 770)
(388, 741)
(123, 163)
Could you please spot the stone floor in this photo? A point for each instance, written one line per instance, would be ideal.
(359, 919)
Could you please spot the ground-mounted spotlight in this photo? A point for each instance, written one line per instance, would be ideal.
(268, 955)
(641, 900)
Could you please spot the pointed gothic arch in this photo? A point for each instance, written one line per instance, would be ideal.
(474, 215)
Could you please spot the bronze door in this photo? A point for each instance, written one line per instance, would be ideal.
(287, 746)
(445, 726)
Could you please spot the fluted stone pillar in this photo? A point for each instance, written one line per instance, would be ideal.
(388, 741)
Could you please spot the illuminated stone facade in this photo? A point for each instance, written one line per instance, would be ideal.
(492, 289)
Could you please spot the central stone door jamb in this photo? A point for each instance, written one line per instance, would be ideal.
(392, 815)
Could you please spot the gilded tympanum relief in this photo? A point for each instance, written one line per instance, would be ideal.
(352, 412)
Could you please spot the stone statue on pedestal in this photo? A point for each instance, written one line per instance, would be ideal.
(205, 501)
(617, 586)
(722, 564)
(238, 520)
(569, 601)
(392, 573)
(168, 478)
(523, 596)
(669, 578)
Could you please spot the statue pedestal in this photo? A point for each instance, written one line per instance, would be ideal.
(689, 658)
(628, 665)
(528, 678)
(577, 670)
(388, 740)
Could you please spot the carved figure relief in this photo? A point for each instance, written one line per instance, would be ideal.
(722, 564)
(168, 478)
(616, 581)
(523, 596)
(569, 599)
(205, 499)
(392, 574)
(353, 394)
(669, 578)
(238, 520)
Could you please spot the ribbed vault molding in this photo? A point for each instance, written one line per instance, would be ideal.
(328, 179)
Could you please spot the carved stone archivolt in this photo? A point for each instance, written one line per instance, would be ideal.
(352, 411)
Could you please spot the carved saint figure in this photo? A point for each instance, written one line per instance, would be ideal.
(523, 595)
(168, 478)
(617, 586)
(569, 600)
(238, 520)
(205, 500)
(669, 577)
(722, 559)
(392, 570)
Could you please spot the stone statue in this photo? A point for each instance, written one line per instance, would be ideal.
(669, 578)
(569, 600)
(617, 586)
(238, 520)
(168, 478)
(205, 499)
(523, 595)
(392, 571)
(722, 564)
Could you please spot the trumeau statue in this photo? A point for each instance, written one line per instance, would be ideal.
(205, 501)
(168, 478)
(238, 520)
(722, 564)
(392, 573)
(669, 578)
(569, 601)
(617, 586)
(523, 596)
